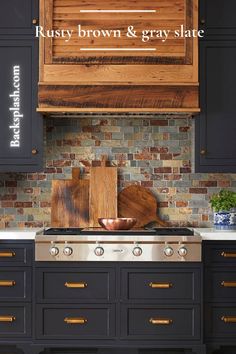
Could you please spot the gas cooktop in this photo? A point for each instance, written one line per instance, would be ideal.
(162, 231)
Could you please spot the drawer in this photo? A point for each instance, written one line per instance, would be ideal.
(221, 322)
(12, 254)
(75, 284)
(161, 322)
(76, 322)
(15, 321)
(15, 284)
(221, 253)
(162, 285)
(220, 285)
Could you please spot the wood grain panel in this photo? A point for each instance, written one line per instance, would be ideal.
(102, 193)
(140, 203)
(164, 80)
(118, 96)
(169, 15)
(70, 202)
(130, 74)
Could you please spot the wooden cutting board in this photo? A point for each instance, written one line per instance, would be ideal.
(140, 203)
(103, 193)
(70, 202)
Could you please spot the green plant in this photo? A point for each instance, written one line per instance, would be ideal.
(223, 201)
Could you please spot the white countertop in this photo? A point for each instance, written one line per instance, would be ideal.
(211, 234)
(19, 234)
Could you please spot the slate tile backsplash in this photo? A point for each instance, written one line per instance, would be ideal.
(154, 151)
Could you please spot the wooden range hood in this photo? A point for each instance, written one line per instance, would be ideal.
(153, 76)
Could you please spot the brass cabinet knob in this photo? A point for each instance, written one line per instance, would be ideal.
(34, 151)
(203, 152)
(202, 21)
(35, 21)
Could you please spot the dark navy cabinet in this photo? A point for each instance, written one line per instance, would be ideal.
(220, 295)
(119, 306)
(21, 133)
(216, 124)
(98, 307)
(15, 292)
(217, 18)
(18, 17)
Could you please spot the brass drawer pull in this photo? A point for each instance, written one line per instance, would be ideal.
(228, 284)
(75, 320)
(160, 321)
(228, 254)
(7, 318)
(7, 254)
(160, 285)
(7, 282)
(76, 285)
(228, 319)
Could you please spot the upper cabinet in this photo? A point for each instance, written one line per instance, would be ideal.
(216, 124)
(118, 56)
(21, 133)
(18, 17)
(217, 17)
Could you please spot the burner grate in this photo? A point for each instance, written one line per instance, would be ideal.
(173, 231)
(63, 231)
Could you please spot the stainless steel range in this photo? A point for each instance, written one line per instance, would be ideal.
(153, 245)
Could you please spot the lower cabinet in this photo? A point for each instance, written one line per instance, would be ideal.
(103, 307)
(220, 295)
(119, 305)
(15, 294)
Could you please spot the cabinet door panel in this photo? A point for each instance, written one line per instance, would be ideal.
(220, 285)
(162, 285)
(216, 125)
(21, 127)
(221, 322)
(218, 17)
(15, 254)
(161, 322)
(90, 285)
(77, 322)
(16, 16)
(220, 254)
(15, 284)
(15, 321)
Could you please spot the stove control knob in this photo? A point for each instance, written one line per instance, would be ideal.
(168, 251)
(67, 251)
(137, 251)
(99, 251)
(54, 251)
(182, 251)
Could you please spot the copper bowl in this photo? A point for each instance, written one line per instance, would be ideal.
(117, 223)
